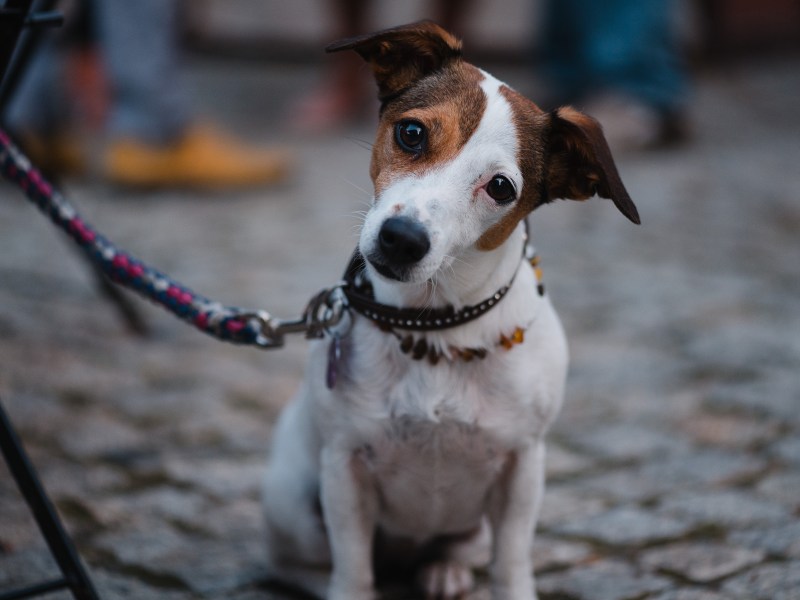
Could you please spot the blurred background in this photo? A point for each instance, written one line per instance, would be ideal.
(217, 142)
(504, 28)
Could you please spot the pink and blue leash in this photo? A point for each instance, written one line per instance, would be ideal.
(230, 324)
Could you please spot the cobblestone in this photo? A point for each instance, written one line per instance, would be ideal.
(729, 431)
(655, 478)
(112, 586)
(728, 508)
(787, 450)
(688, 593)
(625, 527)
(552, 553)
(628, 442)
(602, 581)
(700, 562)
(674, 469)
(158, 553)
(781, 541)
(766, 582)
(564, 503)
(28, 566)
(783, 488)
(773, 396)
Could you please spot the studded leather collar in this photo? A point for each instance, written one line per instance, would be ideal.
(358, 291)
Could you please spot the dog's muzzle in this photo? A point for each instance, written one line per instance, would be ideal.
(402, 242)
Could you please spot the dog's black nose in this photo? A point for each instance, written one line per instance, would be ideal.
(403, 241)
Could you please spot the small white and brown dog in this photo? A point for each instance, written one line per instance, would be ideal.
(417, 437)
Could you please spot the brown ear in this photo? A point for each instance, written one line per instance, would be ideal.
(580, 164)
(401, 55)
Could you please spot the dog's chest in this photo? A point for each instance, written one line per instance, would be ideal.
(464, 408)
(433, 476)
(436, 441)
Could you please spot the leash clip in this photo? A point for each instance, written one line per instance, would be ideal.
(322, 312)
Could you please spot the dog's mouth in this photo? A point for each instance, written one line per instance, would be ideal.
(386, 270)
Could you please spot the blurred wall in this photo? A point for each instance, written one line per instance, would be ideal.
(502, 26)
(506, 28)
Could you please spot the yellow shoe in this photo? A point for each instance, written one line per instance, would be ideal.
(203, 158)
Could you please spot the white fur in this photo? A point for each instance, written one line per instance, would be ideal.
(421, 451)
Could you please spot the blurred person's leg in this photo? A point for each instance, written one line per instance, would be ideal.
(140, 51)
(632, 49)
(561, 52)
(450, 14)
(633, 56)
(154, 137)
(622, 58)
(345, 92)
(41, 110)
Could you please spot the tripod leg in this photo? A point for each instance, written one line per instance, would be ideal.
(57, 538)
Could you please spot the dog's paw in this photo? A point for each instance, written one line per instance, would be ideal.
(444, 580)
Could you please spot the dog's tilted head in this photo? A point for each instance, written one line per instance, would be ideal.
(460, 158)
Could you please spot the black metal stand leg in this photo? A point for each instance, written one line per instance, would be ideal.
(126, 309)
(74, 575)
(23, 51)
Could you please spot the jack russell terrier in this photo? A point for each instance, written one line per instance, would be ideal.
(417, 436)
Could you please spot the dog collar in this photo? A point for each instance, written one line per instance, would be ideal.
(360, 297)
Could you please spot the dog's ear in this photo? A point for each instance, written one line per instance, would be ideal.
(404, 54)
(579, 163)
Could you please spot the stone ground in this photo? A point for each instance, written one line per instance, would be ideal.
(674, 470)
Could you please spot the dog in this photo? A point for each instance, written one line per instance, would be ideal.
(417, 435)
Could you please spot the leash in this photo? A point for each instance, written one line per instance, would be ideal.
(230, 324)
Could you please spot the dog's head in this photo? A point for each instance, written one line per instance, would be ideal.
(461, 158)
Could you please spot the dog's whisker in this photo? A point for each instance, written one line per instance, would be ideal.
(458, 260)
(354, 185)
(457, 275)
(365, 144)
(432, 291)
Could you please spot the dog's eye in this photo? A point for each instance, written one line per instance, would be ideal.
(411, 136)
(501, 190)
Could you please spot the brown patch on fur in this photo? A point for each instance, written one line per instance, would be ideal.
(531, 125)
(449, 102)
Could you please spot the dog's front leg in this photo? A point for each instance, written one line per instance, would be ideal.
(514, 509)
(349, 504)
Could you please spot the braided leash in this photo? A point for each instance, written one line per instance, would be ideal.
(235, 325)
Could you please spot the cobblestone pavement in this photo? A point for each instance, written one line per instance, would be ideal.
(674, 470)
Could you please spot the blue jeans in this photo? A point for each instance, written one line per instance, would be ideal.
(620, 46)
(137, 41)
